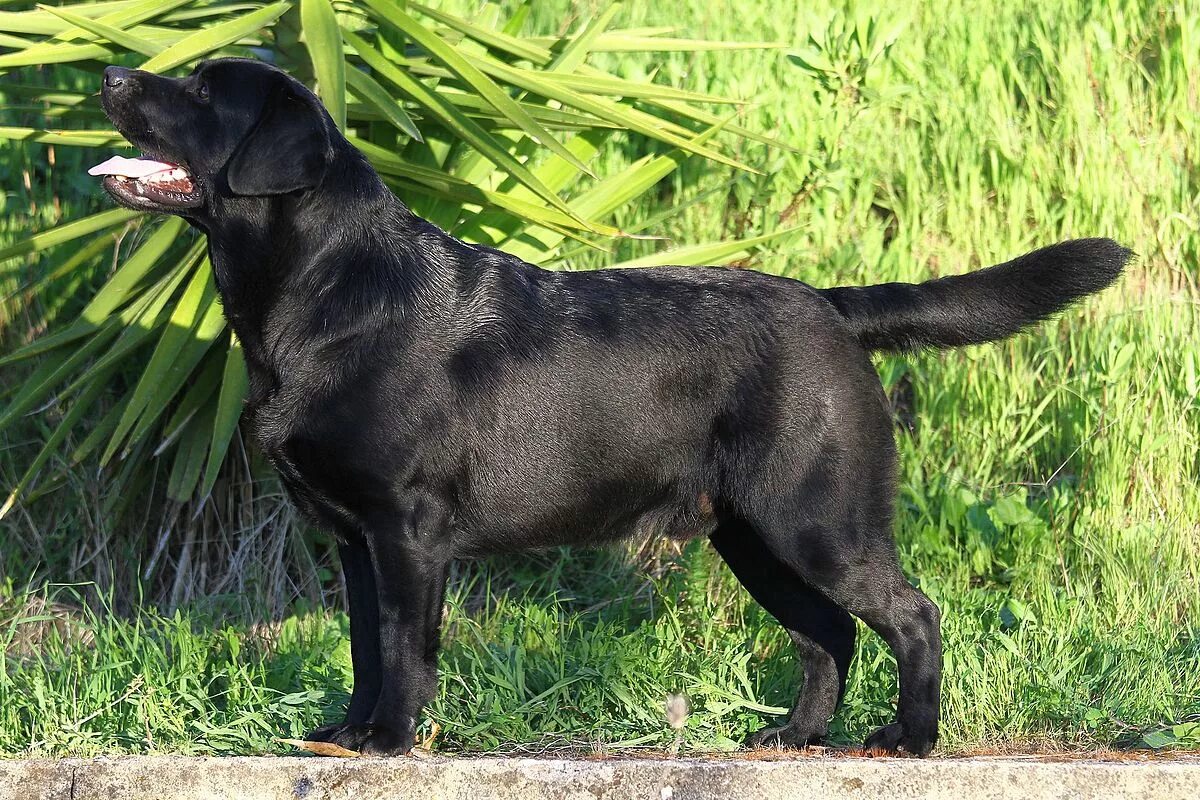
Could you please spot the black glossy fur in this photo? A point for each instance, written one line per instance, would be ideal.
(427, 399)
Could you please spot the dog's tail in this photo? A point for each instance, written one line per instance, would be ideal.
(980, 306)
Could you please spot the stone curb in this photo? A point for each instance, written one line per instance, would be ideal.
(305, 778)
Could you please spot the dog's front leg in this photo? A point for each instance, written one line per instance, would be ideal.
(363, 602)
(412, 588)
(409, 554)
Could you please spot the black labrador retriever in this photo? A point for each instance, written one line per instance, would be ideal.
(426, 399)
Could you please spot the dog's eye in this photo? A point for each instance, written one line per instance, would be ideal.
(202, 91)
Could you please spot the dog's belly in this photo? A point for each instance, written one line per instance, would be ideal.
(537, 479)
(532, 522)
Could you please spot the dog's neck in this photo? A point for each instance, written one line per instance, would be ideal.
(281, 263)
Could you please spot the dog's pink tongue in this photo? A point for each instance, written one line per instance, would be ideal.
(129, 167)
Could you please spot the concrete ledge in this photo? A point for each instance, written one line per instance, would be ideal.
(818, 778)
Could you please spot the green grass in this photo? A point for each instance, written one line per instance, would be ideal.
(1050, 486)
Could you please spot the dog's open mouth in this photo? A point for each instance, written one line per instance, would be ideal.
(147, 183)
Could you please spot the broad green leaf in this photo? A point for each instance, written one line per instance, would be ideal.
(574, 53)
(142, 318)
(628, 42)
(609, 194)
(79, 406)
(205, 382)
(605, 109)
(206, 40)
(616, 190)
(115, 291)
(479, 82)
(82, 257)
(199, 295)
(190, 454)
(73, 138)
(44, 23)
(454, 119)
(60, 112)
(700, 115)
(570, 57)
(665, 125)
(69, 52)
(514, 46)
(99, 432)
(44, 94)
(550, 117)
(195, 12)
(811, 60)
(54, 371)
(712, 253)
(557, 174)
(234, 385)
(663, 128)
(136, 267)
(517, 21)
(449, 186)
(123, 19)
(653, 222)
(323, 39)
(110, 33)
(207, 329)
(65, 233)
(608, 85)
(15, 42)
(41, 55)
(368, 90)
(406, 188)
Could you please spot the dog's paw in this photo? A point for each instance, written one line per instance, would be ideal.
(368, 739)
(786, 737)
(895, 739)
(323, 733)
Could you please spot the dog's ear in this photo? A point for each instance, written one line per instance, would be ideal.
(286, 150)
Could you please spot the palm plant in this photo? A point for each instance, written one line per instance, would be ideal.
(484, 131)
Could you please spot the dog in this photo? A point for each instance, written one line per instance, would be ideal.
(425, 399)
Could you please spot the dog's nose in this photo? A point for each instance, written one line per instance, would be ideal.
(116, 76)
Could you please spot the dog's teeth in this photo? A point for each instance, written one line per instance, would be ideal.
(166, 176)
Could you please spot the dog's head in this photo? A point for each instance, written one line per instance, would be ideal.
(234, 127)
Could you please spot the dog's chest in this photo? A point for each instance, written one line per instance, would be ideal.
(318, 458)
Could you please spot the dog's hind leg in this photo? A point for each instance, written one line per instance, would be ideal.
(858, 570)
(822, 632)
(911, 625)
